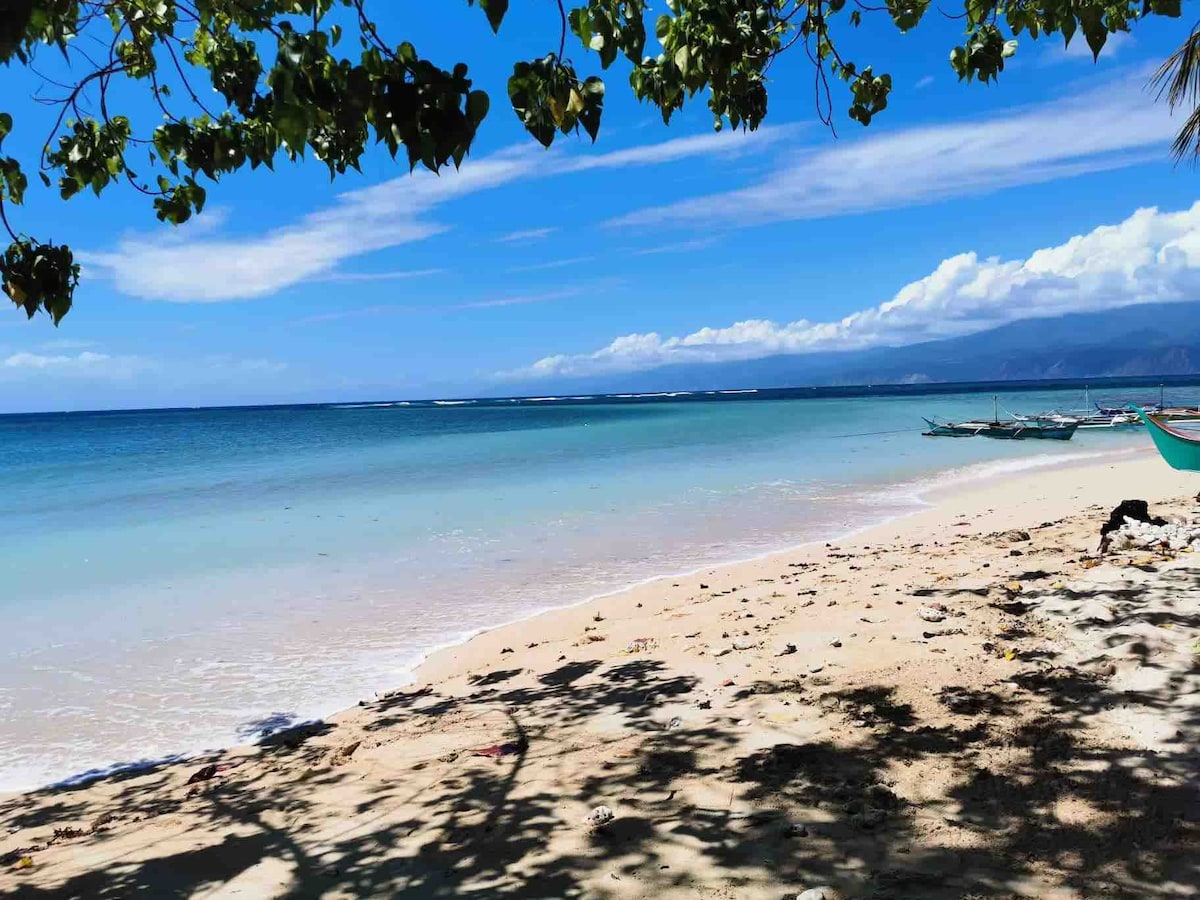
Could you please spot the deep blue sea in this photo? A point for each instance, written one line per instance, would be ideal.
(182, 579)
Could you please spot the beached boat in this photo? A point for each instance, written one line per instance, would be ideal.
(1010, 430)
(1180, 448)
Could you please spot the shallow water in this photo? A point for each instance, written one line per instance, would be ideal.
(179, 580)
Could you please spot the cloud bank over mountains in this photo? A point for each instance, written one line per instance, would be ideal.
(1150, 257)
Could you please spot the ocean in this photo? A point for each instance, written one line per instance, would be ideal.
(180, 580)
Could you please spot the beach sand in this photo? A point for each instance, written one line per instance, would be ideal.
(756, 730)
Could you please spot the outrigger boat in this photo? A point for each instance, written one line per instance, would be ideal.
(1179, 447)
(1013, 430)
(1087, 417)
(1160, 410)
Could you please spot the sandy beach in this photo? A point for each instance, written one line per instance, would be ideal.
(968, 702)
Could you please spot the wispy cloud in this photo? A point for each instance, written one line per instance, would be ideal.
(520, 299)
(382, 276)
(530, 234)
(677, 247)
(358, 313)
(553, 264)
(207, 269)
(197, 265)
(427, 309)
(924, 82)
(1151, 257)
(684, 148)
(66, 344)
(1097, 131)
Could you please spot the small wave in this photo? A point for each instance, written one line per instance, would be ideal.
(365, 405)
(539, 399)
(745, 391)
(452, 402)
(654, 394)
(919, 489)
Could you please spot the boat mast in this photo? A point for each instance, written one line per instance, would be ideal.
(995, 409)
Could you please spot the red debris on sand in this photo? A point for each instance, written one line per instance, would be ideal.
(203, 774)
(207, 773)
(497, 750)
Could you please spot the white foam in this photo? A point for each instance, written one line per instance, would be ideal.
(654, 394)
(919, 489)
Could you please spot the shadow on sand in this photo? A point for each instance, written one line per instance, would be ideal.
(1031, 799)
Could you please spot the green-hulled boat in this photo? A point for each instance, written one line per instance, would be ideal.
(1181, 449)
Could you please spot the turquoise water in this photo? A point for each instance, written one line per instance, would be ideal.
(178, 580)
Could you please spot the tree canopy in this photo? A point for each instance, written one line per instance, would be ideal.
(292, 78)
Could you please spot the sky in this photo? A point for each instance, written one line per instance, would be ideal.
(960, 208)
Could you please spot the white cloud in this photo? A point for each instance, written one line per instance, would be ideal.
(1151, 257)
(97, 367)
(1107, 129)
(87, 364)
(924, 82)
(194, 265)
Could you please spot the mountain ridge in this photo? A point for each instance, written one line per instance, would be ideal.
(1140, 340)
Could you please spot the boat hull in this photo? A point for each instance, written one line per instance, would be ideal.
(1181, 451)
(1003, 431)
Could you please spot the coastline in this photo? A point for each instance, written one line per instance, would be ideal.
(926, 494)
(931, 494)
(703, 708)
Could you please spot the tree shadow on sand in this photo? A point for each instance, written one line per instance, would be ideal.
(1031, 800)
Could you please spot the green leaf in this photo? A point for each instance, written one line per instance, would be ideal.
(906, 14)
(592, 91)
(1094, 29)
(477, 106)
(495, 10)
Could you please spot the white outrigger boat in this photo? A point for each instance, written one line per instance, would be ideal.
(1011, 430)
(1090, 416)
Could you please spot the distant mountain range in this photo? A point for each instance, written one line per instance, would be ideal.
(1151, 339)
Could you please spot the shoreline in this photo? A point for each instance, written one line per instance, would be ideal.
(754, 729)
(926, 494)
(931, 498)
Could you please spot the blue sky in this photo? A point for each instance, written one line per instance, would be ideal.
(659, 244)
